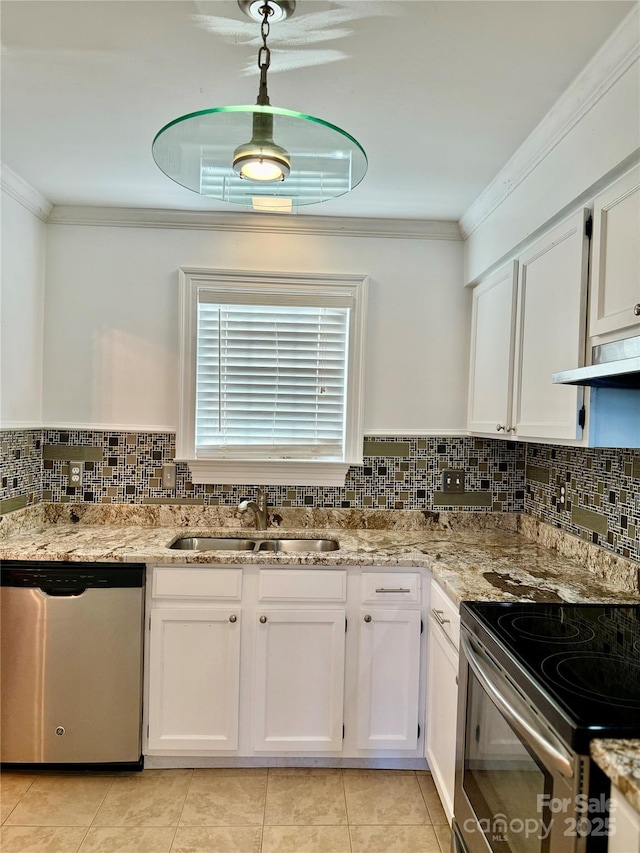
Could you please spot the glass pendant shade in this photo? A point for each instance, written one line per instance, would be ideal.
(289, 155)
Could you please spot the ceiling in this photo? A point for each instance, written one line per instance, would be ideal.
(439, 94)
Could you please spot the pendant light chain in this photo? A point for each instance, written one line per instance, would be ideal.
(264, 56)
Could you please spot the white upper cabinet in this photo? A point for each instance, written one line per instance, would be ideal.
(552, 293)
(615, 276)
(529, 321)
(493, 325)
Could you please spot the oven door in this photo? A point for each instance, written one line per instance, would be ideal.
(511, 769)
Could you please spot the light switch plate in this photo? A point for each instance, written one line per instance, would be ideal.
(452, 481)
(169, 475)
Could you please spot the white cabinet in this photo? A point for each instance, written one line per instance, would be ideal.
(552, 293)
(511, 393)
(194, 669)
(257, 661)
(624, 825)
(388, 669)
(388, 678)
(299, 680)
(615, 265)
(493, 327)
(442, 694)
(298, 685)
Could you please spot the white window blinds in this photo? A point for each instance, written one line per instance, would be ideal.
(271, 380)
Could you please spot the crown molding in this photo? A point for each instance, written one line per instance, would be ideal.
(259, 223)
(614, 59)
(13, 185)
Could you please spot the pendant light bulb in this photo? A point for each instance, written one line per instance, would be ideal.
(261, 159)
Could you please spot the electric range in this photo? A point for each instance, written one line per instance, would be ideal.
(537, 683)
(578, 663)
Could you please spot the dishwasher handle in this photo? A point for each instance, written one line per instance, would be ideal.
(63, 591)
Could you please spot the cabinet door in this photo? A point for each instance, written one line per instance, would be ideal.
(194, 670)
(552, 326)
(442, 698)
(615, 275)
(299, 680)
(624, 823)
(493, 324)
(388, 679)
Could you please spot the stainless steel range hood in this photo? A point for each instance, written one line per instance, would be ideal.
(614, 365)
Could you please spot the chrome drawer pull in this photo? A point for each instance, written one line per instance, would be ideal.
(400, 589)
(439, 617)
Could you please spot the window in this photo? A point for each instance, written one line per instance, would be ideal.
(271, 376)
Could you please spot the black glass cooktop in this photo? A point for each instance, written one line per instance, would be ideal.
(578, 663)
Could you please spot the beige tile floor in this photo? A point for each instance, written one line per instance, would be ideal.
(224, 811)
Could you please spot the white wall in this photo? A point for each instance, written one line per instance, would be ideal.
(21, 315)
(111, 332)
(599, 146)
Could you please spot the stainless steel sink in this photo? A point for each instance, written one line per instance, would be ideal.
(298, 545)
(213, 543)
(226, 543)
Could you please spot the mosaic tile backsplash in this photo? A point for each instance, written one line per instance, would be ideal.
(20, 468)
(594, 494)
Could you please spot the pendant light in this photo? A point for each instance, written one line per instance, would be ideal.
(260, 156)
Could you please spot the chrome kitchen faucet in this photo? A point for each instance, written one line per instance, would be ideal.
(259, 507)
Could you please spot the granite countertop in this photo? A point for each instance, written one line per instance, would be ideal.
(474, 556)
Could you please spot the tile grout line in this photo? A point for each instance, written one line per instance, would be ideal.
(20, 798)
(184, 802)
(346, 810)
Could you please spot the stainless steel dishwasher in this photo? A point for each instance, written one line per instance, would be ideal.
(71, 654)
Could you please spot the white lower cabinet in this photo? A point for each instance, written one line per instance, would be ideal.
(624, 825)
(284, 662)
(299, 680)
(194, 678)
(388, 679)
(442, 694)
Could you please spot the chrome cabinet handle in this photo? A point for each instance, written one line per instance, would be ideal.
(399, 589)
(233, 618)
(506, 428)
(512, 708)
(500, 427)
(367, 618)
(636, 309)
(263, 619)
(438, 615)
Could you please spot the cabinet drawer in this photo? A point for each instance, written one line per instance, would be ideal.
(225, 584)
(390, 586)
(302, 585)
(443, 611)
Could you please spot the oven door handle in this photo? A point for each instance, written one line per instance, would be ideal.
(519, 718)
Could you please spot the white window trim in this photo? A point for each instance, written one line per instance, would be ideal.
(269, 471)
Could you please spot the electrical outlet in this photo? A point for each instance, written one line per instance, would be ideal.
(169, 475)
(452, 481)
(75, 474)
